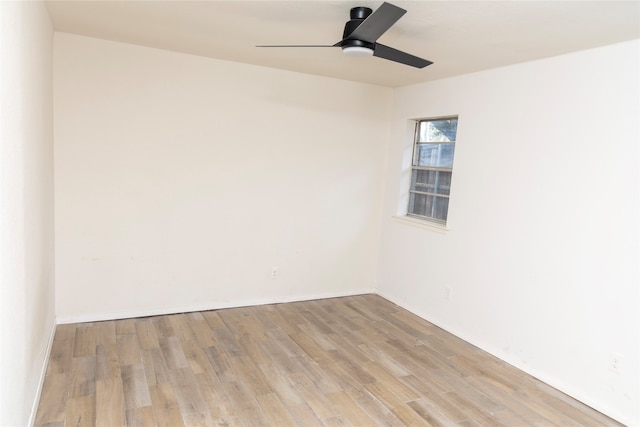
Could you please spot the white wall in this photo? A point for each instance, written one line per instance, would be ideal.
(542, 252)
(181, 181)
(26, 205)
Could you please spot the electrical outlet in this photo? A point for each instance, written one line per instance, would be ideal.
(275, 272)
(615, 363)
(447, 293)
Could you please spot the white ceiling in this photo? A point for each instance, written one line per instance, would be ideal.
(458, 36)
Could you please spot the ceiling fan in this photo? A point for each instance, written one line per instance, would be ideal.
(362, 31)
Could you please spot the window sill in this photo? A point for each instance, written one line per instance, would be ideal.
(425, 225)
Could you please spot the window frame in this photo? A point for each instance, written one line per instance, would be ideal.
(428, 220)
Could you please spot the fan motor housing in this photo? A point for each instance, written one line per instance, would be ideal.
(360, 12)
(357, 15)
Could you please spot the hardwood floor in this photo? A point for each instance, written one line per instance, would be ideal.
(359, 361)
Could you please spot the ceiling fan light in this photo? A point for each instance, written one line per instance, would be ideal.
(357, 51)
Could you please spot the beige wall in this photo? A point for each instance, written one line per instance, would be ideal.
(181, 181)
(26, 205)
(542, 252)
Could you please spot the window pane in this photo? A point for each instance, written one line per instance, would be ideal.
(428, 206)
(434, 155)
(431, 181)
(418, 204)
(438, 130)
(442, 206)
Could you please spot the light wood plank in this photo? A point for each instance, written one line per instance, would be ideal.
(192, 405)
(81, 411)
(110, 403)
(140, 417)
(53, 400)
(85, 341)
(128, 350)
(172, 353)
(246, 406)
(61, 349)
(218, 403)
(82, 376)
(213, 319)
(404, 412)
(274, 411)
(166, 410)
(107, 363)
(135, 387)
(105, 333)
(201, 329)
(431, 414)
(220, 364)
(313, 396)
(350, 409)
(181, 329)
(163, 327)
(155, 367)
(437, 398)
(125, 326)
(146, 333)
(396, 386)
(196, 358)
(251, 375)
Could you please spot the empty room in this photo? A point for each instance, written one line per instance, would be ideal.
(320, 213)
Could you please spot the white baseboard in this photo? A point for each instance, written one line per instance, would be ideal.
(545, 378)
(43, 373)
(98, 317)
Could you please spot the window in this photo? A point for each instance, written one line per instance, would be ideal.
(431, 168)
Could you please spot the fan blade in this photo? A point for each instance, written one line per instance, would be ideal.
(297, 45)
(377, 23)
(386, 52)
